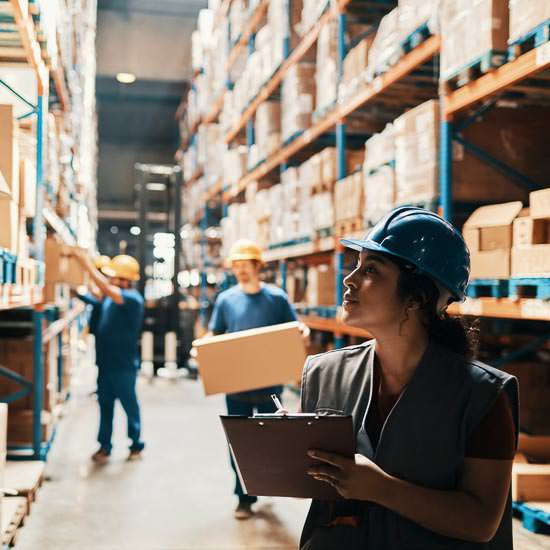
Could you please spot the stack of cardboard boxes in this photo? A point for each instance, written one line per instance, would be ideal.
(267, 131)
(355, 64)
(321, 286)
(379, 175)
(349, 200)
(531, 242)
(326, 75)
(298, 99)
(471, 31)
(509, 241)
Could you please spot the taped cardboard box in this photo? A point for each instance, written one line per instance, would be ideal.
(27, 189)
(9, 150)
(528, 231)
(488, 234)
(251, 359)
(526, 16)
(321, 286)
(4, 189)
(539, 204)
(60, 266)
(9, 226)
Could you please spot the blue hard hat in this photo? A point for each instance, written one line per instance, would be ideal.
(426, 241)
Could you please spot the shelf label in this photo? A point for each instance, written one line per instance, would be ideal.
(543, 54)
(535, 309)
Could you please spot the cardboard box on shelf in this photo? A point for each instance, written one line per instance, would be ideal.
(349, 198)
(9, 150)
(526, 16)
(488, 234)
(321, 286)
(471, 30)
(9, 227)
(514, 136)
(60, 266)
(379, 194)
(539, 204)
(20, 427)
(329, 168)
(531, 261)
(251, 359)
(528, 231)
(27, 189)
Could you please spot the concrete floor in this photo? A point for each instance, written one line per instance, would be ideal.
(179, 497)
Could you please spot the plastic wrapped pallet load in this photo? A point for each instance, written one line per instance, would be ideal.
(268, 128)
(472, 31)
(413, 14)
(526, 16)
(384, 51)
(355, 65)
(298, 99)
(326, 76)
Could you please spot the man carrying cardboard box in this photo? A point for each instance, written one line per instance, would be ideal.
(117, 331)
(250, 304)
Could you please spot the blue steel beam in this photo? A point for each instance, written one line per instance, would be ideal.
(446, 169)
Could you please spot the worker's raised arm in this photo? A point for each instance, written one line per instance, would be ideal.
(106, 288)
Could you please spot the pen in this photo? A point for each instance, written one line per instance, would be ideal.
(277, 401)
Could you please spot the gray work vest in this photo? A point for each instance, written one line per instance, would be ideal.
(423, 440)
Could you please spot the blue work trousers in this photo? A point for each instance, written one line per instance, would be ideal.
(113, 384)
(246, 408)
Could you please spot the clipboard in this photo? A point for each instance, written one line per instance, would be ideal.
(270, 452)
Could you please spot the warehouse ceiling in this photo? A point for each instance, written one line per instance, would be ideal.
(136, 122)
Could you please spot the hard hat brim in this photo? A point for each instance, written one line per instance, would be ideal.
(245, 257)
(360, 245)
(110, 272)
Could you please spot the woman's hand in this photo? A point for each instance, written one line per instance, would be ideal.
(358, 479)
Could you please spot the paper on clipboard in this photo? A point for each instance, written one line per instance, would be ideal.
(270, 452)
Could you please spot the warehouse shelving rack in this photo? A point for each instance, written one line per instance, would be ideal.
(478, 93)
(29, 55)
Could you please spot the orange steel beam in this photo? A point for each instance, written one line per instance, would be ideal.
(216, 110)
(525, 66)
(267, 91)
(30, 45)
(332, 325)
(195, 177)
(503, 308)
(250, 28)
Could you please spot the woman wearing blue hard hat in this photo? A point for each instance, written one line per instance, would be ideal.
(436, 431)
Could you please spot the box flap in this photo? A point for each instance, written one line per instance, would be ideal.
(293, 325)
(494, 215)
(4, 189)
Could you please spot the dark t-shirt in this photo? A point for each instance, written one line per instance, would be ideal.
(236, 310)
(493, 438)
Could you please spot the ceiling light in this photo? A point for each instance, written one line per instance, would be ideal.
(126, 78)
(135, 230)
(156, 187)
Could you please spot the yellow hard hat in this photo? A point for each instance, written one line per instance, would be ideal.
(101, 261)
(245, 250)
(123, 267)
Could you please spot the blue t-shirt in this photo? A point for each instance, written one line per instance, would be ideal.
(236, 310)
(94, 311)
(117, 331)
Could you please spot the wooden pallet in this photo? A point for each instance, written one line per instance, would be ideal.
(25, 477)
(473, 70)
(538, 288)
(533, 39)
(324, 233)
(346, 227)
(14, 511)
(322, 187)
(488, 288)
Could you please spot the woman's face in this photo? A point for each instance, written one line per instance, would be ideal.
(371, 301)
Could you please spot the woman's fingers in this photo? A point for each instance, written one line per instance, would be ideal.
(330, 458)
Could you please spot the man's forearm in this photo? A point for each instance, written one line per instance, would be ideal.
(102, 283)
(452, 513)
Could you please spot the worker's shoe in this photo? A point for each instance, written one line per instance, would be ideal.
(134, 455)
(101, 456)
(243, 511)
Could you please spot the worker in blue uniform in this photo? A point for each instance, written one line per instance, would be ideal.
(116, 332)
(250, 304)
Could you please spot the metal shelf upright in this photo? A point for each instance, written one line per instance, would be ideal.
(38, 450)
